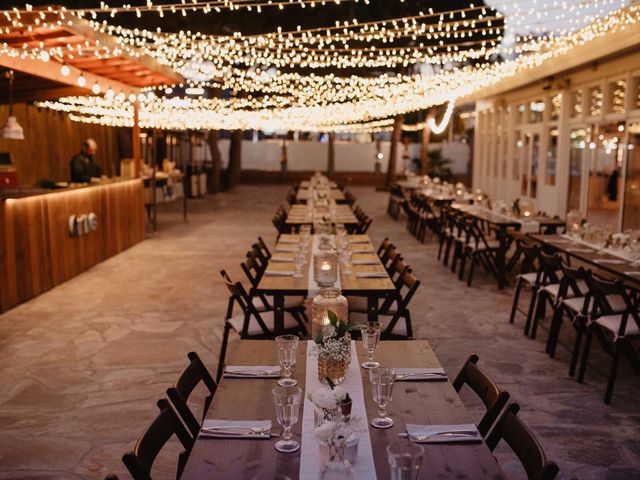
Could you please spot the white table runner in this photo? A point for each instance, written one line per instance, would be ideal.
(610, 251)
(313, 287)
(310, 459)
(526, 226)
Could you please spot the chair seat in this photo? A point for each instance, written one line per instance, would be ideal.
(490, 245)
(577, 303)
(254, 328)
(612, 323)
(529, 277)
(383, 318)
(554, 288)
(289, 302)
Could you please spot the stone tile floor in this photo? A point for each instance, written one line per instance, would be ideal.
(82, 365)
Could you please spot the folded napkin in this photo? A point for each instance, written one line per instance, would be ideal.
(289, 240)
(281, 258)
(365, 262)
(421, 374)
(362, 250)
(358, 240)
(257, 429)
(580, 250)
(287, 248)
(252, 371)
(279, 273)
(371, 275)
(443, 433)
(611, 261)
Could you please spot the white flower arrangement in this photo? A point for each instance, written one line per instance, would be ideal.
(327, 398)
(334, 341)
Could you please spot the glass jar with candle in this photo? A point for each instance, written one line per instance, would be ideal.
(325, 268)
(327, 299)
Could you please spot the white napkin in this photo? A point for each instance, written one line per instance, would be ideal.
(365, 262)
(289, 240)
(281, 258)
(286, 248)
(236, 429)
(252, 371)
(358, 240)
(443, 433)
(279, 273)
(611, 261)
(632, 273)
(371, 275)
(362, 250)
(422, 374)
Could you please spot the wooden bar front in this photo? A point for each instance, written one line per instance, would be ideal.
(37, 250)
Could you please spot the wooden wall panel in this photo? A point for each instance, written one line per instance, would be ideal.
(51, 139)
(36, 250)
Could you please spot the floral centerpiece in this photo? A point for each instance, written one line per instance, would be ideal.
(339, 446)
(333, 346)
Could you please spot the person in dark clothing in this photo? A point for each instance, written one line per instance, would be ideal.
(83, 165)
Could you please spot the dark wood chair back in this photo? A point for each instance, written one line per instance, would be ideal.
(530, 255)
(384, 246)
(195, 374)
(493, 398)
(240, 296)
(524, 444)
(408, 287)
(550, 265)
(264, 249)
(140, 461)
(604, 292)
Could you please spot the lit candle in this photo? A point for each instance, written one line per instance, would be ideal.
(325, 266)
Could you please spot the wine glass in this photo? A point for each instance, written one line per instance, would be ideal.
(405, 460)
(287, 352)
(287, 400)
(370, 338)
(299, 258)
(345, 260)
(382, 380)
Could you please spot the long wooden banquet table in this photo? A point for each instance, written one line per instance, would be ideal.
(300, 214)
(335, 194)
(419, 402)
(612, 265)
(281, 286)
(501, 224)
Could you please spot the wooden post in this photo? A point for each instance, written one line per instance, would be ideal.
(424, 146)
(393, 150)
(135, 133)
(235, 159)
(331, 156)
(216, 160)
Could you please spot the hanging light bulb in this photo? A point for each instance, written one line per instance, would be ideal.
(109, 94)
(132, 97)
(96, 88)
(65, 70)
(82, 81)
(44, 56)
(12, 129)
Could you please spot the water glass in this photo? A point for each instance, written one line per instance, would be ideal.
(382, 380)
(287, 400)
(287, 352)
(370, 337)
(405, 459)
(299, 258)
(345, 260)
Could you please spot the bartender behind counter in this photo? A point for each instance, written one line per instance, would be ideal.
(83, 165)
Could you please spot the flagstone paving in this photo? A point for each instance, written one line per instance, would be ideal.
(81, 366)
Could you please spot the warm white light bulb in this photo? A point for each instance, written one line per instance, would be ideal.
(65, 70)
(96, 88)
(44, 56)
(82, 81)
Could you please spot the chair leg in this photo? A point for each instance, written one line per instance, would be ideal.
(447, 251)
(539, 315)
(223, 351)
(576, 353)
(516, 299)
(612, 373)
(463, 263)
(471, 269)
(532, 305)
(585, 354)
(554, 331)
(456, 254)
(407, 319)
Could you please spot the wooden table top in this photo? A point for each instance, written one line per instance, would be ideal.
(430, 402)
(335, 194)
(307, 184)
(590, 257)
(350, 284)
(299, 215)
(500, 220)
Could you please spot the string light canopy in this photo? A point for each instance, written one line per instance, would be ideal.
(346, 74)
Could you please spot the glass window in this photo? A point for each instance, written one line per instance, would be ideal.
(520, 111)
(535, 162)
(631, 212)
(578, 144)
(517, 156)
(576, 103)
(618, 91)
(536, 111)
(552, 156)
(635, 91)
(556, 104)
(595, 101)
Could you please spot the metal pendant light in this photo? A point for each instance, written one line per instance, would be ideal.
(12, 129)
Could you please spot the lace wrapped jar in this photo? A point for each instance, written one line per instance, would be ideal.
(334, 358)
(327, 299)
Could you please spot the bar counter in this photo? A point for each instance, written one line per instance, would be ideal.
(50, 236)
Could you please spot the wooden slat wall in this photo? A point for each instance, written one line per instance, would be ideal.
(51, 139)
(36, 250)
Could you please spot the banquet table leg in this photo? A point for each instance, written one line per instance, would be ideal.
(372, 308)
(278, 314)
(500, 258)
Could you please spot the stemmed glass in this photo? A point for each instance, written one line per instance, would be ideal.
(287, 352)
(370, 338)
(405, 460)
(300, 257)
(287, 400)
(382, 380)
(345, 260)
